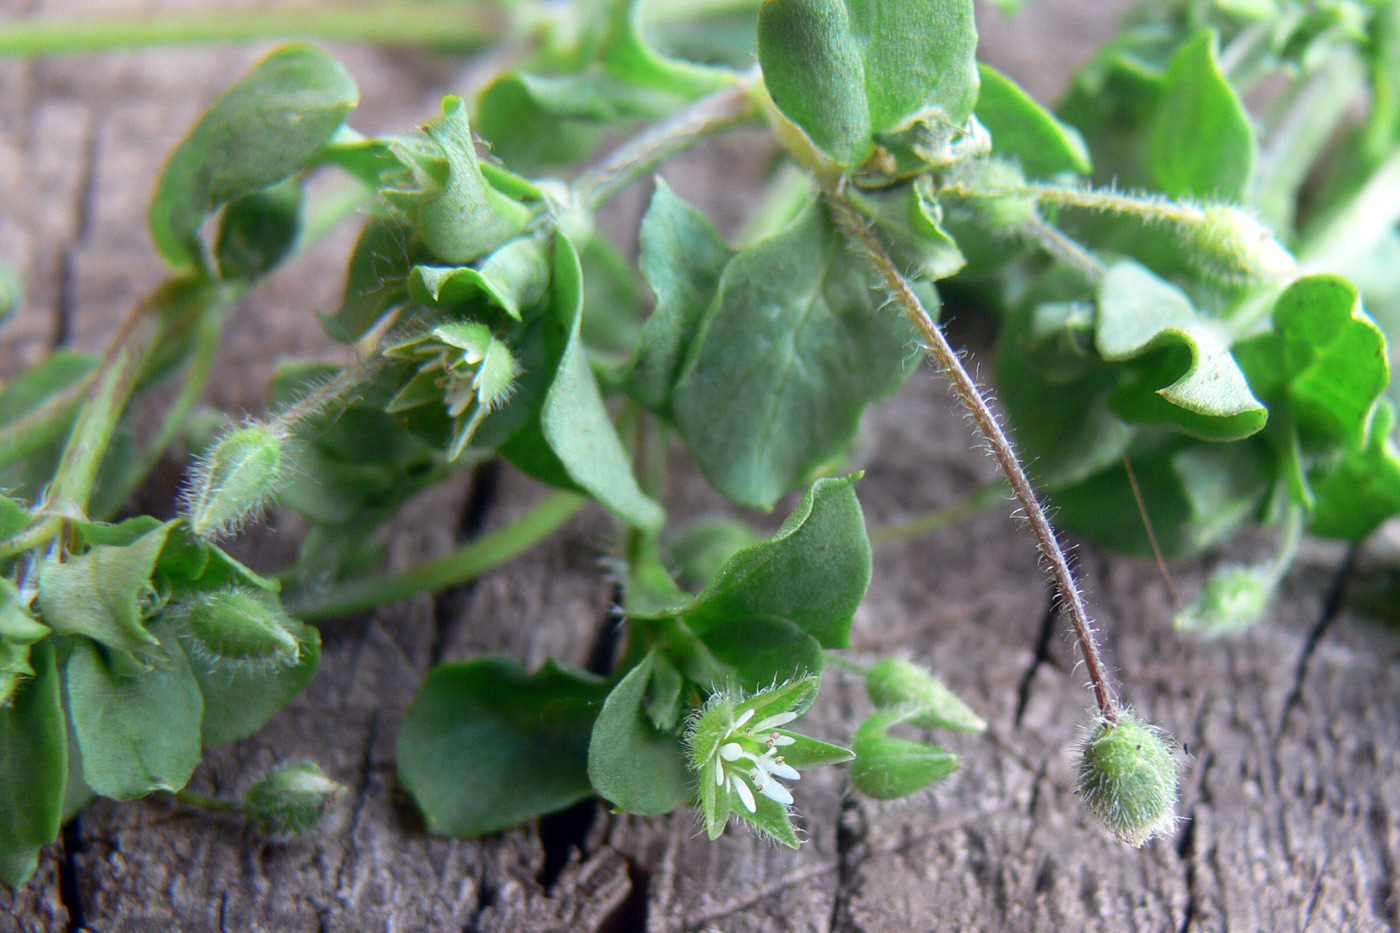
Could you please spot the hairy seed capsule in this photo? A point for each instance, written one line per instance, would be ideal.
(238, 627)
(291, 800)
(1128, 779)
(1234, 245)
(233, 480)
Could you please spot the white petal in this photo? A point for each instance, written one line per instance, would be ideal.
(778, 740)
(745, 717)
(719, 773)
(775, 791)
(773, 722)
(746, 795)
(731, 751)
(784, 771)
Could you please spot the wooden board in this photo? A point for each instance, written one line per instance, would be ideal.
(1291, 800)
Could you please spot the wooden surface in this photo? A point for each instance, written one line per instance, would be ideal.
(1291, 801)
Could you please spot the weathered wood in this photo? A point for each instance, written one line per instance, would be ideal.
(1293, 793)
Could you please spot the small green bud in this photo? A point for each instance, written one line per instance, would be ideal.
(1231, 243)
(1128, 779)
(234, 627)
(1233, 599)
(291, 800)
(898, 682)
(232, 481)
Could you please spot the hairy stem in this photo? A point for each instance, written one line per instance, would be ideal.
(466, 563)
(982, 498)
(860, 235)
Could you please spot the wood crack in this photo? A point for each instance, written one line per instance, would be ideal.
(846, 863)
(69, 889)
(1331, 607)
(1042, 654)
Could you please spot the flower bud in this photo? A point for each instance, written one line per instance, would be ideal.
(888, 767)
(238, 627)
(899, 682)
(232, 481)
(1128, 778)
(291, 800)
(1232, 244)
(1233, 599)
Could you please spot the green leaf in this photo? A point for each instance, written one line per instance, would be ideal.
(137, 733)
(19, 631)
(514, 277)
(698, 551)
(764, 650)
(1195, 494)
(1202, 141)
(1022, 128)
(848, 70)
(33, 768)
(612, 300)
(813, 572)
(793, 349)
(682, 258)
(807, 752)
(14, 517)
(258, 230)
(1184, 376)
(271, 124)
(377, 278)
(631, 762)
(1327, 360)
(626, 55)
(538, 123)
(486, 746)
(100, 594)
(457, 214)
(1056, 388)
(888, 767)
(240, 699)
(1363, 488)
(573, 420)
(911, 220)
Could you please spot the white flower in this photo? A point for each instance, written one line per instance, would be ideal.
(748, 760)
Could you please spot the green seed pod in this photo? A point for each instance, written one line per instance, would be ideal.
(1232, 244)
(291, 800)
(234, 480)
(1128, 779)
(897, 682)
(239, 628)
(1233, 599)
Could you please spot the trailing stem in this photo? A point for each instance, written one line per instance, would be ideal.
(858, 232)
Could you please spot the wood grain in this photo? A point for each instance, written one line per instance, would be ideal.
(1291, 801)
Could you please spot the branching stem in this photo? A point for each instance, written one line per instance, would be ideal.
(860, 235)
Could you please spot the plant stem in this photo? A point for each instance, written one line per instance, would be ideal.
(847, 664)
(393, 23)
(863, 239)
(203, 802)
(396, 23)
(466, 563)
(982, 498)
(705, 117)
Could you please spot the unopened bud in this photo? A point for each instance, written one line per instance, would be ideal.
(1128, 779)
(291, 800)
(888, 767)
(1233, 599)
(898, 682)
(233, 480)
(1230, 243)
(239, 628)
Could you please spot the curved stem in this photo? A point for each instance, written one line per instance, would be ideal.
(467, 563)
(705, 117)
(863, 239)
(982, 498)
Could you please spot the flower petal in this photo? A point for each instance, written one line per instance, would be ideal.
(785, 771)
(771, 722)
(743, 718)
(731, 751)
(776, 792)
(742, 789)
